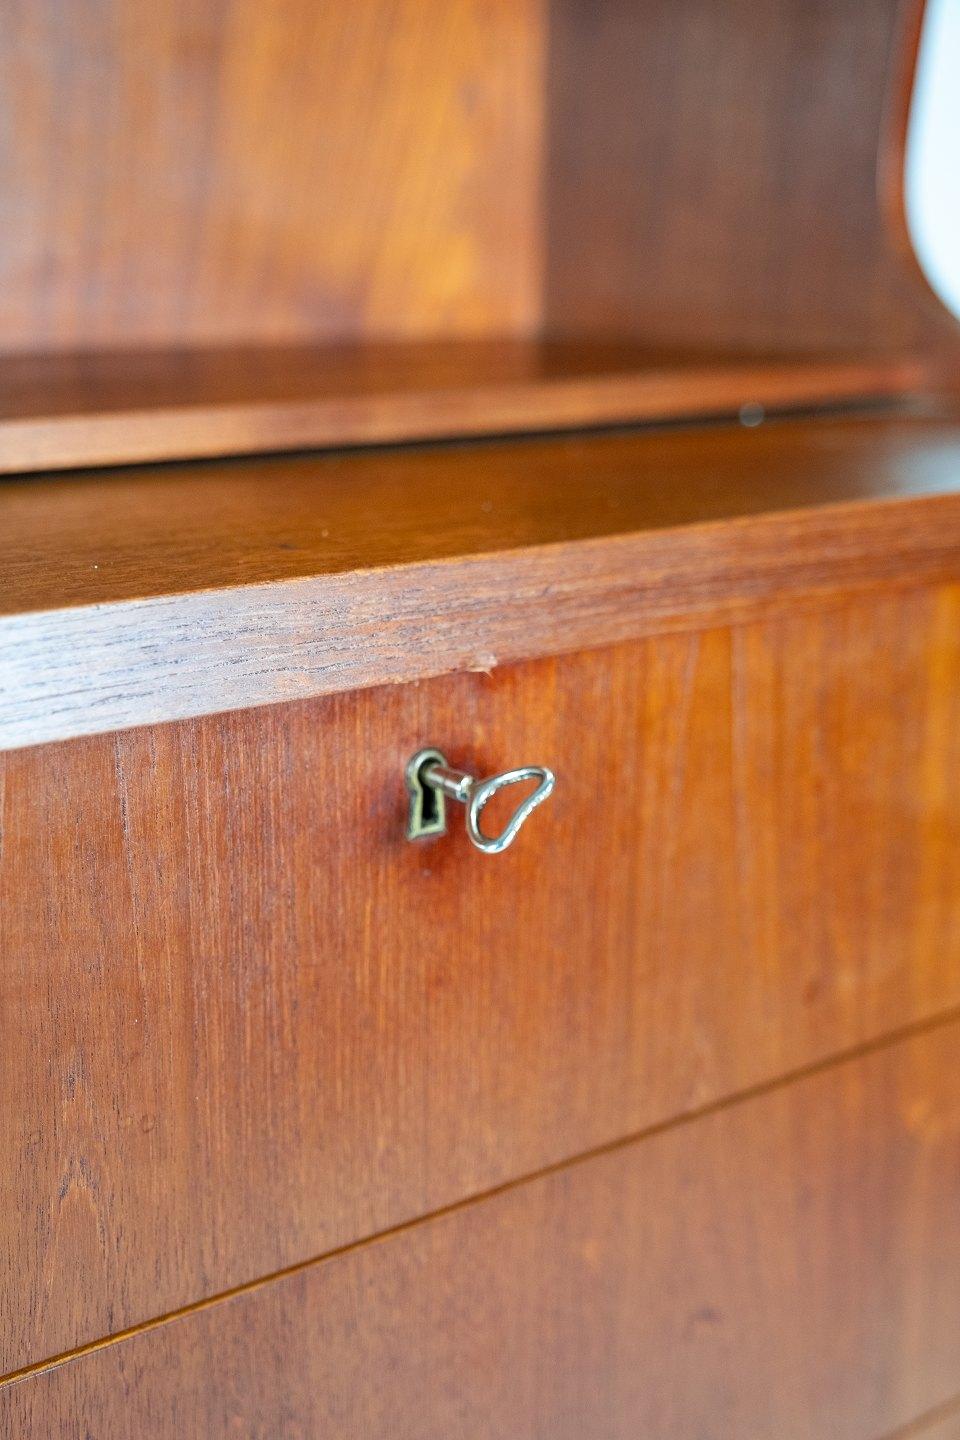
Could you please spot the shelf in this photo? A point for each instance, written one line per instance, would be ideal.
(159, 593)
(67, 411)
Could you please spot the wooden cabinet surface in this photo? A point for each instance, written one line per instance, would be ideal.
(249, 1022)
(785, 1267)
(549, 382)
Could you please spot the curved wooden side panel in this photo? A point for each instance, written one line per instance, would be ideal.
(712, 176)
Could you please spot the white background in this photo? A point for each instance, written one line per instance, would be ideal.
(933, 153)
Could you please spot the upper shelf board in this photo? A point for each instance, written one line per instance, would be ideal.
(68, 411)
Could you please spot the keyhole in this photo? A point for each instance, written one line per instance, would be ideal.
(428, 808)
(430, 805)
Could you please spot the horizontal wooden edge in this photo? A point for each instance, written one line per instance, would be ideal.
(87, 670)
(193, 430)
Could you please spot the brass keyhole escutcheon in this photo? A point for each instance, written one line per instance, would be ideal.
(431, 781)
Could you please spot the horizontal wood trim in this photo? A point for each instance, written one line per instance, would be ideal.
(236, 586)
(84, 671)
(250, 1023)
(785, 1266)
(68, 411)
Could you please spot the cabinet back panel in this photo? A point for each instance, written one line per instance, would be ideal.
(239, 171)
(684, 173)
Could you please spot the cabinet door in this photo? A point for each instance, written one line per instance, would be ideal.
(785, 1267)
(247, 1022)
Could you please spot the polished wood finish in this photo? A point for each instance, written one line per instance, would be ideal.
(232, 173)
(108, 537)
(156, 595)
(785, 1267)
(743, 212)
(250, 1022)
(423, 218)
(651, 1126)
(62, 411)
(428, 168)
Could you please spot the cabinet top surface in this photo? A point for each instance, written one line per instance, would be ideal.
(132, 597)
(97, 538)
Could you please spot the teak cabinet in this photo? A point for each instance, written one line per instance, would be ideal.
(648, 1126)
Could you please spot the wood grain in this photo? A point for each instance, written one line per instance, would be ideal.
(247, 1027)
(943, 1424)
(741, 213)
(238, 173)
(787, 1267)
(115, 407)
(517, 167)
(155, 595)
(247, 1022)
